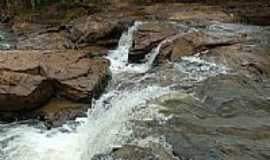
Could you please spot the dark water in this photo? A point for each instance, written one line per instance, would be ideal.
(7, 38)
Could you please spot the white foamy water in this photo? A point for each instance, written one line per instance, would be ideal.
(200, 69)
(119, 57)
(105, 128)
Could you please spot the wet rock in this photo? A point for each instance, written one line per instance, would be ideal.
(227, 118)
(30, 78)
(249, 56)
(193, 42)
(148, 36)
(98, 29)
(44, 41)
(241, 48)
(253, 61)
(59, 111)
(89, 84)
(176, 42)
(54, 113)
(230, 96)
(93, 30)
(133, 152)
(32, 36)
(20, 91)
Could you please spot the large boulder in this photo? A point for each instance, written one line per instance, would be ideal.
(101, 30)
(91, 83)
(58, 111)
(30, 78)
(93, 30)
(20, 91)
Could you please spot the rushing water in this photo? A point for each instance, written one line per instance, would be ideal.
(108, 122)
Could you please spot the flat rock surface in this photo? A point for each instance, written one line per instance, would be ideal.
(226, 117)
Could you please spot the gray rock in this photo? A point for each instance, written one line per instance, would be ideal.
(227, 119)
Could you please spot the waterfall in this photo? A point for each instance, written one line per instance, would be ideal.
(119, 57)
(155, 52)
(108, 123)
(106, 126)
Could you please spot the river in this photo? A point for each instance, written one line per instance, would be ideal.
(132, 90)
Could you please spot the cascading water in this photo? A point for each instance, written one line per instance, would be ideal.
(107, 124)
(119, 57)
